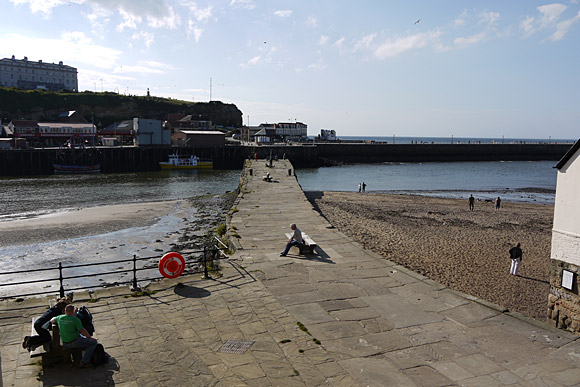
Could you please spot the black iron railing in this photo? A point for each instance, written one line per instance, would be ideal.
(191, 257)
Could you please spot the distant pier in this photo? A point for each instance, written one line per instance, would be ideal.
(18, 162)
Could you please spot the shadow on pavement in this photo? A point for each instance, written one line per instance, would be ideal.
(191, 291)
(67, 375)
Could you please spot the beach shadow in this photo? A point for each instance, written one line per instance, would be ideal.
(534, 279)
(191, 291)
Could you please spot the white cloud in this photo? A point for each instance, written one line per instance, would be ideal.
(323, 40)
(311, 21)
(283, 13)
(199, 14)
(469, 40)
(460, 19)
(364, 43)
(394, 47)
(339, 43)
(563, 27)
(73, 48)
(140, 68)
(247, 4)
(527, 26)
(550, 13)
(45, 6)
(193, 30)
(129, 21)
(146, 37)
(548, 20)
(254, 61)
(489, 18)
(320, 65)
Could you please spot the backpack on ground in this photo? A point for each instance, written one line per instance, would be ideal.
(99, 356)
(86, 319)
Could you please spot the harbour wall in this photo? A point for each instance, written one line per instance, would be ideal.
(138, 159)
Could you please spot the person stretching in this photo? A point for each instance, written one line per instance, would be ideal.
(74, 335)
(295, 239)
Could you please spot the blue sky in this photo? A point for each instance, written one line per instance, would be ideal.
(372, 68)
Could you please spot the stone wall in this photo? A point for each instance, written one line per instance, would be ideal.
(564, 304)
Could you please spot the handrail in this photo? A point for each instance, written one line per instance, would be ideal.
(61, 278)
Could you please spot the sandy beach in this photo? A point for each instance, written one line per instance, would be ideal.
(443, 240)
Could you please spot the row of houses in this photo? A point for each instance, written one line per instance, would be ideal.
(137, 131)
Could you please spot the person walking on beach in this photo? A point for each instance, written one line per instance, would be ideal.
(364, 187)
(295, 239)
(359, 187)
(497, 203)
(516, 257)
(471, 202)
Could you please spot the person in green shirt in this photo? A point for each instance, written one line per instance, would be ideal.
(74, 335)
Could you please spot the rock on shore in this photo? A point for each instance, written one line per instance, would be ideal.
(443, 240)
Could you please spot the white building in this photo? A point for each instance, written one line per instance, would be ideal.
(150, 132)
(29, 75)
(565, 255)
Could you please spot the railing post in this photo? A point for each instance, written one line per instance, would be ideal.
(60, 279)
(205, 273)
(135, 286)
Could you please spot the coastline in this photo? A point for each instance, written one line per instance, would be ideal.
(441, 239)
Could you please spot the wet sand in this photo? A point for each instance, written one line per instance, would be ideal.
(443, 240)
(82, 222)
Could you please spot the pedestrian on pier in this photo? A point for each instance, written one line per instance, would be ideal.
(295, 239)
(42, 324)
(364, 186)
(497, 203)
(471, 202)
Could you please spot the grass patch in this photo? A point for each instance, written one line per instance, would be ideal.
(234, 210)
(93, 300)
(303, 327)
(233, 227)
(316, 341)
(285, 341)
(221, 229)
(142, 293)
(301, 350)
(19, 300)
(296, 373)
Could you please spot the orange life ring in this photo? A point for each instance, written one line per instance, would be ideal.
(171, 265)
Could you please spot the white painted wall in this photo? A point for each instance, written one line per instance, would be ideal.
(566, 231)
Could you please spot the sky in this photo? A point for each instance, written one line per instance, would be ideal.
(424, 68)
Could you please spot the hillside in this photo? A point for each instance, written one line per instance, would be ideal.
(106, 108)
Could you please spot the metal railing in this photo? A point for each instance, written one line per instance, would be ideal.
(191, 257)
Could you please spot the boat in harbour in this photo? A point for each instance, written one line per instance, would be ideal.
(76, 157)
(190, 162)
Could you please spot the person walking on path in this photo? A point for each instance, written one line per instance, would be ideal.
(364, 187)
(74, 335)
(471, 202)
(295, 239)
(516, 257)
(497, 203)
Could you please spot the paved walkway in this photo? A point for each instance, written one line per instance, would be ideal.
(362, 319)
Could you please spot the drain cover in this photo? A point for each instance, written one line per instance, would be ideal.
(236, 346)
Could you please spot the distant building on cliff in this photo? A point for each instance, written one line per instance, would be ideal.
(280, 132)
(29, 75)
(564, 299)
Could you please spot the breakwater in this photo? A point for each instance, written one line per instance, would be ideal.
(139, 159)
